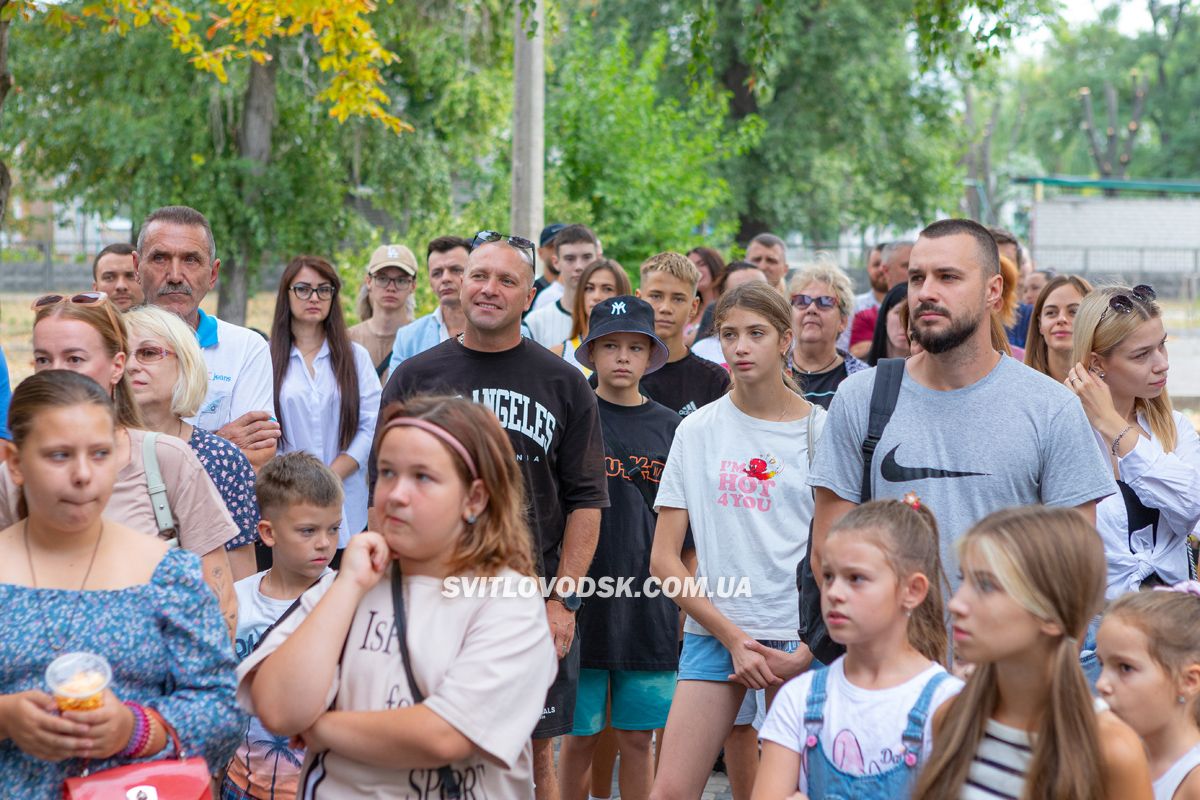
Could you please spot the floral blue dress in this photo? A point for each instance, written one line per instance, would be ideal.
(233, 476)
(168, 647)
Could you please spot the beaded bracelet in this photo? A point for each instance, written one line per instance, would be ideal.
(152, 721)
(1117, 441)
(141, 731)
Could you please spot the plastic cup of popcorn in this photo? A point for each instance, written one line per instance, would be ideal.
(78, 681)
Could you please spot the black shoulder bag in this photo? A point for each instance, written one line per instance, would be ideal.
(450, 787)
(889, 373)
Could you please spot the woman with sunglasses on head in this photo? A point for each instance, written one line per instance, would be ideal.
(386, 302)
(822, 299)
(73, 579)
(84, 333)
(602, 279)
(1120, 376)
(169, 381)
(1050, 339)
(326, 388)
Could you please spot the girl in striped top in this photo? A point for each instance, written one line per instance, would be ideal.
(1025, 727)
(1149, 646)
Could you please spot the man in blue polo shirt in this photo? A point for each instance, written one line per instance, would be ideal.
(177, 260)
(446, 260)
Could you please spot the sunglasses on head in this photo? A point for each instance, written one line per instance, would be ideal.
(806, 300)
(1123, 303)
(518, 242)
(82, 299)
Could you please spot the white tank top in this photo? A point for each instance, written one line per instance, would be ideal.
(568, 355)
(1167, 784)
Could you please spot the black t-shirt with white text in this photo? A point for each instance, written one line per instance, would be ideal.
(631, 633)
(549, 413)
(687, 384)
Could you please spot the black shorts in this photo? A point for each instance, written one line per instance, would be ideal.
(558, 712)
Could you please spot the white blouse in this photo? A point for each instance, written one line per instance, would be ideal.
(1167, 482)
(310, 408)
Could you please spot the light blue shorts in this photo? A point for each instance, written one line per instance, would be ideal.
(641, 700)
(704, 658)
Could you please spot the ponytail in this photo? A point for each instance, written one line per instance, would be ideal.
(1067, 760)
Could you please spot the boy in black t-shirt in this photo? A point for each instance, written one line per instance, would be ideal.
(686, 382)
(628, 644)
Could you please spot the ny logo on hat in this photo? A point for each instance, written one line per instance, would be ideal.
(618, 308)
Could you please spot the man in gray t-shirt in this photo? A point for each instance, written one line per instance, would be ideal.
(973, 431)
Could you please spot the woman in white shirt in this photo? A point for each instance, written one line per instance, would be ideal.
(1120, 375)
(326, 389)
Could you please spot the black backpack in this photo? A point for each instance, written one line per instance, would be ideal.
(889, 372)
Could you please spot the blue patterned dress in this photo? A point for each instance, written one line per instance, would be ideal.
(168, 647)
(233, 476)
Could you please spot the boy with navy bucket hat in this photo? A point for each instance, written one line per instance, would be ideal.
(629, 644)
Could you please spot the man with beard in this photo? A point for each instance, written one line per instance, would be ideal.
(972, 431)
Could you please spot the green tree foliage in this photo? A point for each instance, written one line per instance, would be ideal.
(641, 166)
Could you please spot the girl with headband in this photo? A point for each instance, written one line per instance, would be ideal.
(403, 670)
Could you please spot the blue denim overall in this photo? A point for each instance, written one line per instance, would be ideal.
(827, 782)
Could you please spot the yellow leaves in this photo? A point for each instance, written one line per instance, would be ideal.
(351, 53)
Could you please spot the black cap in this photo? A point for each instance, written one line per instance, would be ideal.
(624, 314)
(549, 232)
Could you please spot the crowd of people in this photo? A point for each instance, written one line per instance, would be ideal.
(934, 540)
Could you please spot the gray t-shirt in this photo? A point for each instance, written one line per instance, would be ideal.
(1015, 437)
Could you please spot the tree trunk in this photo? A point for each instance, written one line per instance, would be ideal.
(254, 145)
(6, 82)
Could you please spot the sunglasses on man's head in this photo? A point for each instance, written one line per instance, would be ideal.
(520, 243)
(1123, 303)
(806, 300)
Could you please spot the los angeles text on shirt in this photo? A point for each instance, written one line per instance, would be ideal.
(520, 413)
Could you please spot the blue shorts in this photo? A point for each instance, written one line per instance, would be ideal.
(640, 700)
(704, 658)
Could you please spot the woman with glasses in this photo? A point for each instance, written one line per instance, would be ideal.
(169, 380)
(822, 299)
(326, 387)
(84, 333)
(386, 302)
(1120, 376)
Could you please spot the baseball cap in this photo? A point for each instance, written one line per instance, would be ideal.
(392, 255)
(549, 232)
(623, 314)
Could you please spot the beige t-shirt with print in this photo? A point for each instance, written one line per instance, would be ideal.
(484, 664)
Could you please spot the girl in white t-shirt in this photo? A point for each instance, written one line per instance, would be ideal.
(737, 475)
(333, 671)
(1026, 724)
(1149, 648)
(861, 728)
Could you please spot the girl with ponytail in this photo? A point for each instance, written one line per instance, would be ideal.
(861, 728)
(1026, 725)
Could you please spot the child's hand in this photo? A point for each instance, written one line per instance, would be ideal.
(785, 665)
(365, 559)
(750, 668)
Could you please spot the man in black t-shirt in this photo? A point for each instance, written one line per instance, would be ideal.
(550, 415)
(687, 381)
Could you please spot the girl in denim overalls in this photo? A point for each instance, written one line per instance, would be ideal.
(860, 728)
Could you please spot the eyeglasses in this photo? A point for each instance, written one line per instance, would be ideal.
(149, 355)
(304, 291)
(1123, 303)
(518, 242)
(383, 281)
(82, 299)
(806, 300)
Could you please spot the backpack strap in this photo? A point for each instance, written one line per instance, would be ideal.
(914, 732)
(889, 374)
(157, 488)
(450, 785)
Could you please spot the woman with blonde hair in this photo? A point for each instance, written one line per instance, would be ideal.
(1120, 376)
(169, 380)
(1052, 324)
(822, 304)
(1026, 725)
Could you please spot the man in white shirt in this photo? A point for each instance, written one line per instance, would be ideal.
(177, 261)
(548, 286)
(575, 246)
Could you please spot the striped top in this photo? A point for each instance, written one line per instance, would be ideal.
(1001, 761)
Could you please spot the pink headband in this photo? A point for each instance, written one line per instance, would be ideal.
(1183, 587)
(439, 432)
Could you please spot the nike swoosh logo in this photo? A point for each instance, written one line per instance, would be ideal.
(889, 470)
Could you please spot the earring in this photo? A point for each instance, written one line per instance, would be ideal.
(908, 612)
(1181, 699)
(1101, 375)
(471, 519)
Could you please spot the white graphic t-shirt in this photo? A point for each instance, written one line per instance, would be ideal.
(862, 732)
(743, 483)
(483, 663)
